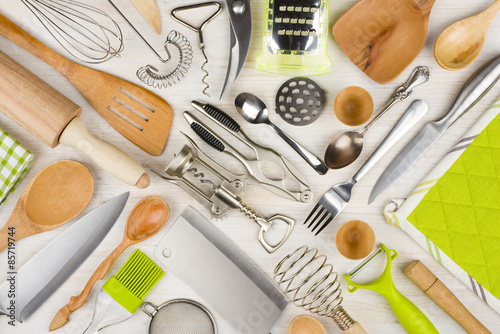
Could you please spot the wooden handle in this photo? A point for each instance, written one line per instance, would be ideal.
(32, 103)
(17, 35)
(355, 329)
(62, 317)
(426, 281)
(107, 156)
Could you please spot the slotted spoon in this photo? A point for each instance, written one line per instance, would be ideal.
(141, 116)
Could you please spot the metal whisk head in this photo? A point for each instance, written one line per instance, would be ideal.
(306, 279)
(85, 32)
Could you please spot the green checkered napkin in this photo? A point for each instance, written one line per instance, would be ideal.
(15, 161)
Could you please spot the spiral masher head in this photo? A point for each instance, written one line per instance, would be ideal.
(306, 279)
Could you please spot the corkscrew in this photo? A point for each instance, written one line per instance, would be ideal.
(222, 195)
(306, 279)
(199, 31)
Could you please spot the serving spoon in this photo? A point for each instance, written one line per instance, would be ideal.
(460, 44)
(56, 195)
(347, 146)
(254, 111)
(147, 217)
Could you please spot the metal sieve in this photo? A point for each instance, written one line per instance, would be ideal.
(180, 316)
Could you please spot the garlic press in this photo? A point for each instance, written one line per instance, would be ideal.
(291, 184)
(218, 196)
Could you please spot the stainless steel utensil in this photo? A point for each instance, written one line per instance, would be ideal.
(41, 276)
(307, 280)
(223, 193)
(471, 92)
(336, 199)
(199, 254)
(84, 31)
(347, 146)
(199, 31)
(288, 183)
(180, 316)
(240, 25)
(254, 111)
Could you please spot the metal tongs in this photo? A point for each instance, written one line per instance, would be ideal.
(223, 193)
(227, 124)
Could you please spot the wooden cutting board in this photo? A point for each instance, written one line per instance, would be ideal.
(383, 37)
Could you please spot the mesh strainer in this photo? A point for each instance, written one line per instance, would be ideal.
(180, 316)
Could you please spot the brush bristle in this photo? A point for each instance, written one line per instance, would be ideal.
(139, 274)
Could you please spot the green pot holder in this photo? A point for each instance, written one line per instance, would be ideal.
(15, 161)
(455, 212)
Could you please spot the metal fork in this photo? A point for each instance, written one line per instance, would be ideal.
(336, 198)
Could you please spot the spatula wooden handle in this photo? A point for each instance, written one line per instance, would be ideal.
(107, 156)
(17, 35)
(62, 317)
(419, 274)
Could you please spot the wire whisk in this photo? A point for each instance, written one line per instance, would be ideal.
(85, 32)
(306, 279)
(150, 75)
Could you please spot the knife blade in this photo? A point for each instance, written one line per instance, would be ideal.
(193, 248)
(240, 19)
(478, 85)
(45, 272)
(150, 12)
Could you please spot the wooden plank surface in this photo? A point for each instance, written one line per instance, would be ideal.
(368, 308)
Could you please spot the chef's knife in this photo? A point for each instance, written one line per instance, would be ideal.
(240, 26)
(471, 92)
(48, 270)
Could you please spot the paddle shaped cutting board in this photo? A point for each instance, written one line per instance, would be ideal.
(383, 37)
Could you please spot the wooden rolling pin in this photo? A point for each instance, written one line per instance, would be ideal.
(54, 119)
(443, 297)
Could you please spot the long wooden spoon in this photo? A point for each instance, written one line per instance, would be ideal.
(147, 217)
(460, 44)
(56, 195)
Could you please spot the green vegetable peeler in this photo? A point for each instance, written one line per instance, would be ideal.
(413, 320)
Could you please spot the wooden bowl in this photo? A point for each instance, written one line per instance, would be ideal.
(353, 106)
(355, 240)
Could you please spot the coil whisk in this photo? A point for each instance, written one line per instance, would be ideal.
(306, 279)
(150, 75)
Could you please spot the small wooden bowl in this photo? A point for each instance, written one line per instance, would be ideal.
(355, 240)
(353, 106)
(305, 324)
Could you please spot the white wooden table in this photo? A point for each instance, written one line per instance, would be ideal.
(368, 308)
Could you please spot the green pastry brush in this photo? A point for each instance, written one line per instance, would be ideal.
(124, 292)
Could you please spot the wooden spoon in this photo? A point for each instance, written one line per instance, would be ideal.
(460, 44)
(147, 217)
(306, 325)
(56, 195)
(383, 37)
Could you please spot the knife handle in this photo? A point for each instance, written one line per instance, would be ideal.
(472, 92)
(411, 116)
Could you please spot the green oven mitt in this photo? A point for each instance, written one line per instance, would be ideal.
(15, 161)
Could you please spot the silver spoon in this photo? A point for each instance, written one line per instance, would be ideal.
(347, 146)
(254, 111)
